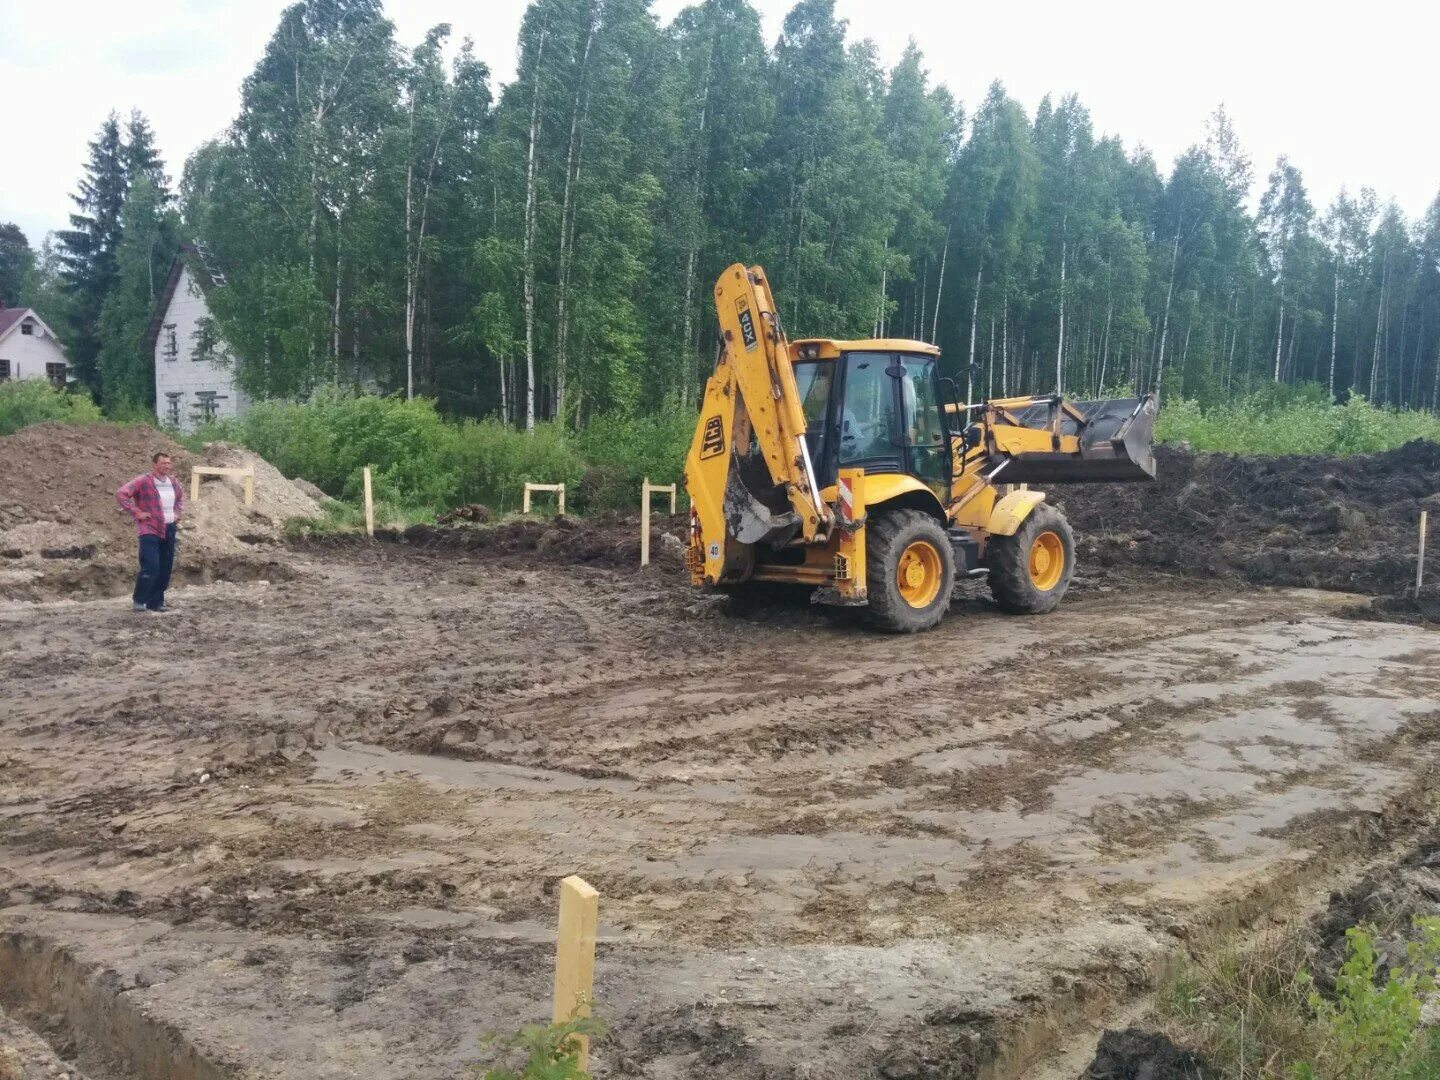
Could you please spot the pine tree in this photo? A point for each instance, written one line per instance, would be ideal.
(88, 248)
(124, 365)
(16, 263)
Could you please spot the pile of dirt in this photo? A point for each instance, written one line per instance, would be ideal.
(1422, 608)
(1320, 522)
(62, 531)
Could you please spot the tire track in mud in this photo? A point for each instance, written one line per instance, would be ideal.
(880, 716)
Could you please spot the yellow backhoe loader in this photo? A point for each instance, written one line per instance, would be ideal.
(841, 465)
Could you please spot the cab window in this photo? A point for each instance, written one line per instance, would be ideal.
(868, 421)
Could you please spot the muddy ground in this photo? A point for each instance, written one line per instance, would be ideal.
(312, 827)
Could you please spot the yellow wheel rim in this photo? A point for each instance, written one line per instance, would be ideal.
(1047, 561)
(918, 574)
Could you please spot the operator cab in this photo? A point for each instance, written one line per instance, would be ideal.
(874, 405)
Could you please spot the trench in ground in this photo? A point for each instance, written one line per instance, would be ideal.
(86, 1017)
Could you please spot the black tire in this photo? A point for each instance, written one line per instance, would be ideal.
(1008, 559)
(888, 535)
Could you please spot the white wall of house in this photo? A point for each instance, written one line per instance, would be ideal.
(182, 382)
(28, 354)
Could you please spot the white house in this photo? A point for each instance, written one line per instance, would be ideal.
(194, 368)
(29, 349)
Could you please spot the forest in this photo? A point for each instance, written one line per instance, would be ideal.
(382, 216)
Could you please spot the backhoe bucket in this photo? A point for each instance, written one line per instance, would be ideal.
(1117, 444)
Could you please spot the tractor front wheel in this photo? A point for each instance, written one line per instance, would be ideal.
(909, 569)
(1030, 571)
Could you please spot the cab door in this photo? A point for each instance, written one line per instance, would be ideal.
(927, 442)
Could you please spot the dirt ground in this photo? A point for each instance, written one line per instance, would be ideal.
(311, 826)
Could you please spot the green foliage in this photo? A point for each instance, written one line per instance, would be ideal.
(422, 463)
(34, 401)
(1370, 1029)
(540, 1052)
(1250, 1009)
(1281, 419)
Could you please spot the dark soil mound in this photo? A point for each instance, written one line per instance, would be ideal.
(1134, 1054)
(1423, 610)
(1335, 523)
(1388, 902)
(608, 540)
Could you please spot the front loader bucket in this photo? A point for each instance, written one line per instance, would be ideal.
(1117, 444)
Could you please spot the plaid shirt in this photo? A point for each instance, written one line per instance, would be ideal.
(140, 497)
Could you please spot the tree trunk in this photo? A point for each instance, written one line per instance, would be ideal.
(940, 289)
(1060, 345)
(1005, 342)
(1105, 349)
(990, 362)
(1165, 323)
(567, 214)
(530, 211)
(409, 262)
(974, 323)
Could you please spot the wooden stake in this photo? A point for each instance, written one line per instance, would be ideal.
(369, 505)
(194, 487)
(575, 956)
(645, 522)
(249, 482)
(559, 490)
(1420, 562)
(648, 489)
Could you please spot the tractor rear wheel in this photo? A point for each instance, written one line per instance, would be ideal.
(909, 570)
(1030, 571)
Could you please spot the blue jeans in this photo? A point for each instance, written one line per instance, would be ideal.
(157, 556)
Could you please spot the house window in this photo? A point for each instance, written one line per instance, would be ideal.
(207, 405)
(172, 346)
(4, 370)
(28, 328)
(205, 340)
(172, 408)
(56, 374)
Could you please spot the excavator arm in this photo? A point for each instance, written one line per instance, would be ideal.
(749, 471)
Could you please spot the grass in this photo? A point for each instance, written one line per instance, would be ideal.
(1293, 420)
(1252, 1010)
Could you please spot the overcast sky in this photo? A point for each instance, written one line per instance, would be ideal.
(1350, 98)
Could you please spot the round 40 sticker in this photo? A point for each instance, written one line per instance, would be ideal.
(714, 551)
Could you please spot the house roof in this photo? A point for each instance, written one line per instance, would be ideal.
(10, 318)
(193, 256)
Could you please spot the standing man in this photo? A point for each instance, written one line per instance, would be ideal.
(154, 500)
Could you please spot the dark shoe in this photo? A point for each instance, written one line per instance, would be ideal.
(137, 607)
(162, 609)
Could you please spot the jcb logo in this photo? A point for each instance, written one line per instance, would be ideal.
(712, 443)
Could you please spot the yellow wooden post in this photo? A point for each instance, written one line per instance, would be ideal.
(194, 486)
(369, 505)
(575, 955)
(561, 489)
(672, 500)
(525, 502)
(1420, 562)
(645, 522)
(250, 488)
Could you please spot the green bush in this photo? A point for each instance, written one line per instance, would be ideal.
(540, 1052)
(494, 462)
(34, 401)
(1371, 1029)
